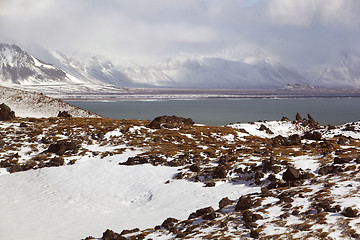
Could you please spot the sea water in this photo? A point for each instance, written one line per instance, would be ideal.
(219, 112)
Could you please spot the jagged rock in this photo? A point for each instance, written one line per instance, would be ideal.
(124, 232)
(62, 146)
(64, 114)
(5, 113)
(350, 212)
(285, 119)
(298, 117)
(109, 235)
(243, 203)
(170, 122)
(265, 129)
(224, 202)
(312, 122)
(169, 223)
(291, 174)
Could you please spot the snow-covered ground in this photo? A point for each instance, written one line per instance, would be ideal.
(72, 202)
(95, 193)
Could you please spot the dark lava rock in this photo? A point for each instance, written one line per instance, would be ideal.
(44, 140)
(220, 172)
(291, 174)
(170, 122)
(298, 117)
(22, 125)
(265, 192)
(210, 183)
(339, 160)
(224, 202)
(135, 161)
(285, 119)
(294, 140)
(62, 146)
(254, 233)
(265, 129)
(329, 169)
(312, 122)
(243, 203)
(124, 232)
(5, 113)
(109, 235)
(350, 212)
(169, 223)
(195, 168)
(313, 136)
(64, 114)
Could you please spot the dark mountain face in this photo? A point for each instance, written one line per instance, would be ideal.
(19, 67)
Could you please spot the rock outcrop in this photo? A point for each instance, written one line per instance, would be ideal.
(5, 113)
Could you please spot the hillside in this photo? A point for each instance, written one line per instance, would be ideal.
(75, 177)
(31, 104)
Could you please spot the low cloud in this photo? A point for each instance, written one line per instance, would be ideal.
(162, 28)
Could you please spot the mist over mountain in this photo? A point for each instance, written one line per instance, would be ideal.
(242, 67)
(343, 73)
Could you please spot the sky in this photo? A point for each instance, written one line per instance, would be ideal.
(299, 32)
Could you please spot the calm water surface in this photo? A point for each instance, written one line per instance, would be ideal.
(224, 111)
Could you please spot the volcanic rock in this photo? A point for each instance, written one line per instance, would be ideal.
(243, 203)
(291, 174)
(224, 202)
(170, 122)
(5, 113)
(62, 146)
(169, 223)
(64, 114)
(350, 212)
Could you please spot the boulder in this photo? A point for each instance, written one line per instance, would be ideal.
(350, 212)
(170, 122)
(62, 146)
(243, 203)
(291, 174)
(5, 113)
(169, 223)
(64, 114)
(224, 202)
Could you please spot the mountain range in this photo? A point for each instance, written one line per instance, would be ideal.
(238, 68)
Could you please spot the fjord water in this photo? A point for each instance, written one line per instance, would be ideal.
(219, 112)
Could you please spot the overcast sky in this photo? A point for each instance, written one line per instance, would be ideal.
(299, 32)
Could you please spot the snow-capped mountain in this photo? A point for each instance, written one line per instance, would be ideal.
(19, 67)
(94, 69)
(218, 71)
(345, 72)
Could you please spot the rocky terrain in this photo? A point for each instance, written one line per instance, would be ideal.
(289, 179)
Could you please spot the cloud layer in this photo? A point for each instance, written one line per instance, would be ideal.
(297, 31)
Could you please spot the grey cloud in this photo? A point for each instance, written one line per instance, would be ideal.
(294, 30)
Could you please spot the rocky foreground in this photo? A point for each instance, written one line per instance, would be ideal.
(307, 174)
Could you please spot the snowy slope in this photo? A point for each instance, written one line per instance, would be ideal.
(345, 72)
(31, 104)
